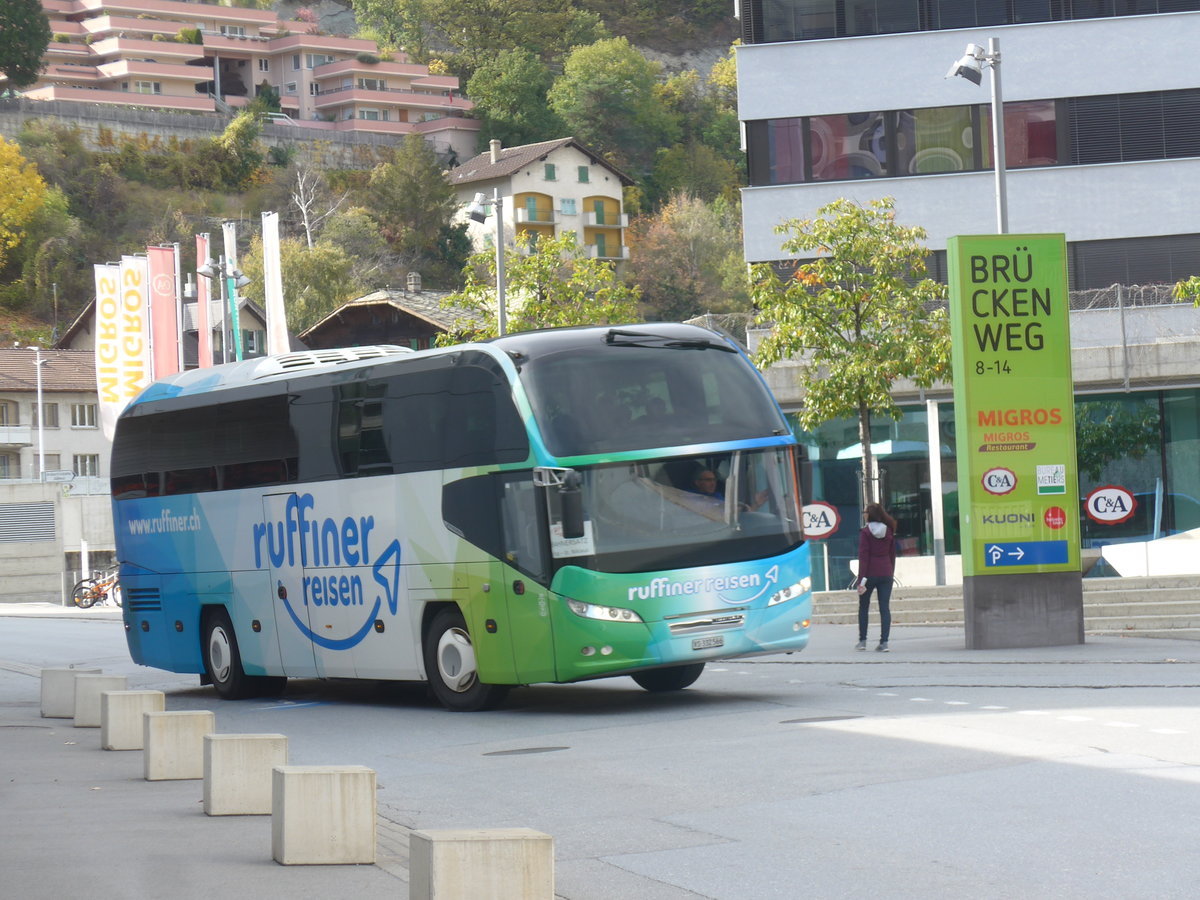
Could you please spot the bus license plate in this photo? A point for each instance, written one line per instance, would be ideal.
(704, 643)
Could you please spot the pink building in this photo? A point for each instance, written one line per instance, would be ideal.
(143, 53)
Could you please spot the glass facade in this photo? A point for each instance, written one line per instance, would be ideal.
(1146, 442)
(772, 21)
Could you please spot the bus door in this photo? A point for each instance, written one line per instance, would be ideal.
(292, 621)
(525, 569)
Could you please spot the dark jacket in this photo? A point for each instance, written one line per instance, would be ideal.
(876, 555)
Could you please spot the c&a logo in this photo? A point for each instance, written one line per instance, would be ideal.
(999, 481)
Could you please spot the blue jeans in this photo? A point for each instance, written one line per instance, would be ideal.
(884, 587)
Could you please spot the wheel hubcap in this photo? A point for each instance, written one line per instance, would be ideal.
(456, 660)
(218, 654)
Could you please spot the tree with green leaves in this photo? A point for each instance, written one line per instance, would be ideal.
(316, 280)
(607, 97)
(1188, 289)
(395, 24)
(1111, 430)
(509, 92)
(414, 204)
(24, 36)
(553, 285)
(857, 318)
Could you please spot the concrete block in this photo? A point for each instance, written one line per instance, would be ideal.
(323, 815)
(174, 743)
(58, 691)
(481, 864)
(88, 689)
(237, 772)
(121, 717)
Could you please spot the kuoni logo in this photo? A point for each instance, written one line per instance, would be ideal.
(999, 481)
(1109, 505)
(1055, 517)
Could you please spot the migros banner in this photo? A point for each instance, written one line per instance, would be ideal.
(1014, 404)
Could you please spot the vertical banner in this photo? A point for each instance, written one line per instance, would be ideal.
(164, 316)
(1014, 404)
(235, 329)
(204, 353)
(122, 354)
(277, 333)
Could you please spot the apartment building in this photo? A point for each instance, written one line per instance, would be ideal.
(546, 189)
(1101, 99)
(205, 58)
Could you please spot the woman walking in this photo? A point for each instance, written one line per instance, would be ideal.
(876, 571)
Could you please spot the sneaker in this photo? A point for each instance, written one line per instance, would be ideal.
(882, 648)
(861, 645)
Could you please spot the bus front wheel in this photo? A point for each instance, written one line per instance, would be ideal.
(674, 678)
(223, 661)
(450, 666)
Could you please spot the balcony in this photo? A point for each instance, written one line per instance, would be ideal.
(621, 252)
(601, 220)
(544, 216)
(16, 436)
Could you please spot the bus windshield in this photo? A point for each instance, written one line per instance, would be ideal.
(638, 394)
(659, 514)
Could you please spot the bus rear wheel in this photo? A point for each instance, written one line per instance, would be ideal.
(450, 666)
(223, 661)
(673, 678)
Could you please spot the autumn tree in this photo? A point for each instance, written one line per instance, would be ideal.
(687, 260)
(24, 36)
(552, 285)
(316, 280)
(857, 318)
(22, 192)
(396, 24)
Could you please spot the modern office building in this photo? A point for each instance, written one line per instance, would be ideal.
(850, 98)
(207, 58)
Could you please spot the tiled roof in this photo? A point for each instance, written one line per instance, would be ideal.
(62, 370)
(513, 159)
(422, 304)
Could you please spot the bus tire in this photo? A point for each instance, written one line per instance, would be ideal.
(84, 594)
(223, 661)
(673, 678)
(450, 666)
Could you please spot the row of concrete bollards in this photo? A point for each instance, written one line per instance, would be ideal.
(320, 815)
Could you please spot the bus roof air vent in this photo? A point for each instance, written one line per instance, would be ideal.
(308, 359)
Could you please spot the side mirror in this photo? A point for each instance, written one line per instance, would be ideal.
(572, 505)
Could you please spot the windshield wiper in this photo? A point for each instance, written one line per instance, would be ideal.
(617, 337)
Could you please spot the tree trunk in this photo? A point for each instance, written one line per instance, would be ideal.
(869, 489)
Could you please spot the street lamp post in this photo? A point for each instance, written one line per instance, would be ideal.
(228, 280)
(478, 212)
(970, 66)
(41, 412)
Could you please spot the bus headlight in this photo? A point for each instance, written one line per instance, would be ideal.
(602, 613)
(791, 592)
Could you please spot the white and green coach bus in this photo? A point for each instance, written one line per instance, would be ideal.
(515, 511)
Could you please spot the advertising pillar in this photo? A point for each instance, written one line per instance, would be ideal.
(1015, 426)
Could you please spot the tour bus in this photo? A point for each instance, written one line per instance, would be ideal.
(515, 511)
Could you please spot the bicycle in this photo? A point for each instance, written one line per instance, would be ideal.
(100, 588)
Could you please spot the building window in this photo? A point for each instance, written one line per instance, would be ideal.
(295, 62)
(290, 87)
(584, 174)
(10, 465)
(314, 89)
(83, 415)
(53, 462)
(567, 207)
(254, 342)
(372, 84)
(264, 65)
(312, 60)
(234, 30)
(147, 87)
(371, 115)
(86, 463)
(550, 172)
(9, 413)
(51, 415)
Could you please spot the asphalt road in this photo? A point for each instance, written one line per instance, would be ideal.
(931, 771)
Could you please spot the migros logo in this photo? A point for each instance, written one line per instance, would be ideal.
(305, 540)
